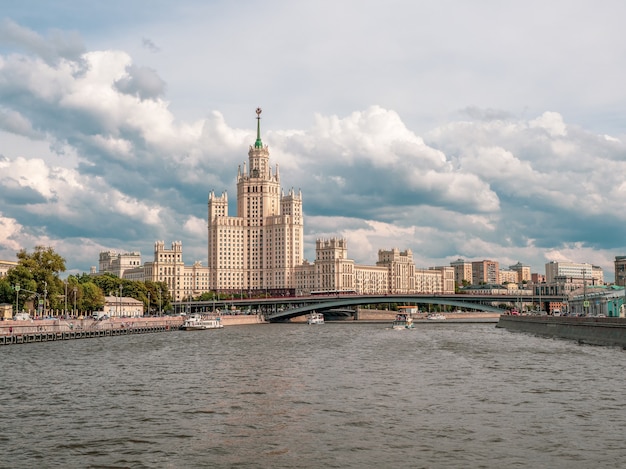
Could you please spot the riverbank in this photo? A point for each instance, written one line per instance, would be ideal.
(587, 330)
(43, 330)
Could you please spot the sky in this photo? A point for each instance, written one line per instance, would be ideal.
(478, 130)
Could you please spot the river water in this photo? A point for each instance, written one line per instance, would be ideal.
(343, 395)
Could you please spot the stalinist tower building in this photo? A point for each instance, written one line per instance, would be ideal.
(257, 250)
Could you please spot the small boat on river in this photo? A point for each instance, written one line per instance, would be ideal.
(436, 317)
(197, 322)
(315, 318)
(403, 321)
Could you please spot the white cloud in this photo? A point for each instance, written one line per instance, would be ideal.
(458, 148)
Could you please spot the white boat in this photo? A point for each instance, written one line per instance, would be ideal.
(315, 318)
(197, 322)
(436, 317)
(403, 321)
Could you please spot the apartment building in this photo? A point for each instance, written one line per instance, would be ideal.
(260, 247)
(485, 272)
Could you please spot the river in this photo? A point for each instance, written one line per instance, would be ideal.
(342, 395)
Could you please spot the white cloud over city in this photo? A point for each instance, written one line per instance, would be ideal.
(454, 129)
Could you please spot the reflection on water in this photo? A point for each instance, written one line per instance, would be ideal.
(338, 395)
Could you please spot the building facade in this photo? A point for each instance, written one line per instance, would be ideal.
(485, 272)
(117, 263)
(259, 249)
(523, 272)
(462, 272)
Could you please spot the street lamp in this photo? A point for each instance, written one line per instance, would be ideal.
(17, 298)
(120, 301)
(74, 310)
(159, 302)
(148, 303)
(45, 295)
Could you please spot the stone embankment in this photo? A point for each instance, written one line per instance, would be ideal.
(44, 330)
(587, 330)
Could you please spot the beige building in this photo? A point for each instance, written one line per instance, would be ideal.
(523, 272)
(400, 270)
(116, 306)
(485, 272)
(509, 276)
(394, 273)
(5, 266)
(259, 249)
(462, 271)
(117, 263)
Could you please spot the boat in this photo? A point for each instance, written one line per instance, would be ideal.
(197, 322)
(436, 317)
(403, 321)
(315, 318)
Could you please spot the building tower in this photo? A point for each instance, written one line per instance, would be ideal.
(259, 248)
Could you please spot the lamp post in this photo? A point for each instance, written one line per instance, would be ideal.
(17, 298)
(148, 303)
(159, 302)
(65, 310)
(45, 296)
(120, 302)
(74, 310)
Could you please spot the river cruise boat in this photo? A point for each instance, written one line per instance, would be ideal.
(436, 317)
(403, 321)
(197, 322)
(315, 318)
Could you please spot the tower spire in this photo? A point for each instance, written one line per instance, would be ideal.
(258, 143)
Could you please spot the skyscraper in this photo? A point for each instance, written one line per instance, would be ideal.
(258, 249)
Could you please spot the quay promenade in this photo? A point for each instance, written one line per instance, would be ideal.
(44, 330)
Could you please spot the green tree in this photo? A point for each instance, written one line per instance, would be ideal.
(38, 272)
(7, 292)
(92, 298)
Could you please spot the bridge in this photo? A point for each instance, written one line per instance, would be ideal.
(279, 309)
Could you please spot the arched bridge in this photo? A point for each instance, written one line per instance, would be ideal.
(476, 302)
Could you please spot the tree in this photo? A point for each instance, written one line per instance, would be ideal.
(38, 272)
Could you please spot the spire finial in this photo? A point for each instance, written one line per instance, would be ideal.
(258, 143)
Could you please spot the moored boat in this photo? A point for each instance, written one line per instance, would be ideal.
(436, 317)
(196, 322)
(403, 321)
(315, 318)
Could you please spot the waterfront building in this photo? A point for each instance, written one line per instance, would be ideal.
(573, 272)
(258, 249)
(117, 263)
(371, 279)
(509, 276)
(523, 272)
(122, 306)
(462, 272)
(428, 281)
(598, 300)
(5, 266)
(183, 281)
(334, 271)
(485, 272)
(447, 279)
(400, 270)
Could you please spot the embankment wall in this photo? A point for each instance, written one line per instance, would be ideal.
(597, 331)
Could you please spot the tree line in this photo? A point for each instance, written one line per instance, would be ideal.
(35, 280)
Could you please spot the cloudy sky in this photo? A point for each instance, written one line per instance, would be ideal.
(483, 130)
